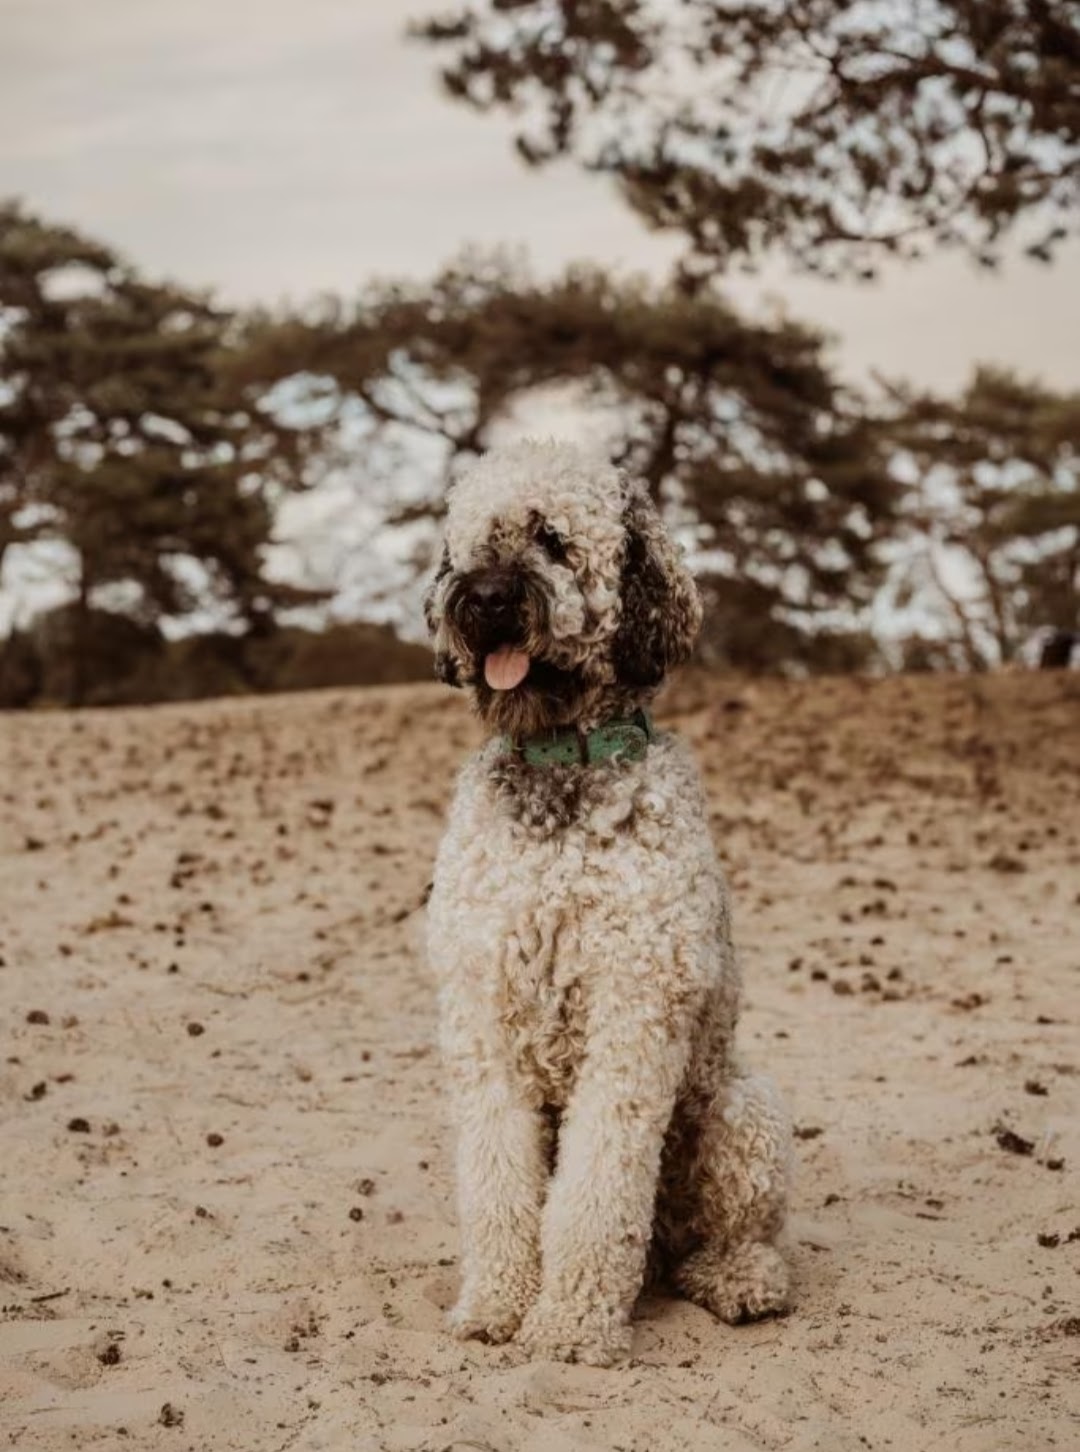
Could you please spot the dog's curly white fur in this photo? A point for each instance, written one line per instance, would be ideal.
(579, 929)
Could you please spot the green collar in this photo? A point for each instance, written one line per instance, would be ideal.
(614, 741)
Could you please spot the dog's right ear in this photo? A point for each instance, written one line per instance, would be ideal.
(431, 594)
(446, 669)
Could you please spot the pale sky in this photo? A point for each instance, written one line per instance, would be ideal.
(282, 148)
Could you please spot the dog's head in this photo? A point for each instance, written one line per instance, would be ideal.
(559, 597)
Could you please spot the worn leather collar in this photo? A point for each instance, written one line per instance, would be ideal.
(626, 740)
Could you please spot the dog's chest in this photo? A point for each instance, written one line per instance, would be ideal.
(534, 871)
(544, 1001)
(532, 902)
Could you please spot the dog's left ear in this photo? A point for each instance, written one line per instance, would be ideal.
(445, 666)
(661, 608)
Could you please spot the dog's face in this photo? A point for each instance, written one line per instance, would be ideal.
(559, 594)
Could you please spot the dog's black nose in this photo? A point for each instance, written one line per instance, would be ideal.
(492, 595)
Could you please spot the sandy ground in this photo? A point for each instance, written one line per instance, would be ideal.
(226, 1214)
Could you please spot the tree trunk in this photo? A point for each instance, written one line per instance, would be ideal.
(80, 640)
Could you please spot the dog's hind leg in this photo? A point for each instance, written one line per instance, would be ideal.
(724, 1199)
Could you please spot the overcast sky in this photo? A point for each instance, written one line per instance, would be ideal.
(286, 147)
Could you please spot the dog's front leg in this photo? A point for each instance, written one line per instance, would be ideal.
(502, 1174)
(598, 1217)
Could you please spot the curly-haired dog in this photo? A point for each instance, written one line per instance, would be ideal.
(579, 928)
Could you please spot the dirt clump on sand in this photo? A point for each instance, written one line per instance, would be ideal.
(227, 1209)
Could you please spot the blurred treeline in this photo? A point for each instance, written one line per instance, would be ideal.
(151, 438)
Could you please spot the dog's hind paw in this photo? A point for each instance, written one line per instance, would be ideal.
(744, 1283)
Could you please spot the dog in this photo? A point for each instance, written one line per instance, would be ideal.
(579, 931)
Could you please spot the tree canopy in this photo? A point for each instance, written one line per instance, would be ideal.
(837, 131)
(124, 435)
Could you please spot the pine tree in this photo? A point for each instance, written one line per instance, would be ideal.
(836, 131)
(993, 505)
(125, 434)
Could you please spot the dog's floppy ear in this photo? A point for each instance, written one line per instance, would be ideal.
(432, 592)
(661, 608)
(446, 669)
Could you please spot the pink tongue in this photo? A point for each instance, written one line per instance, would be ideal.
(505, 668)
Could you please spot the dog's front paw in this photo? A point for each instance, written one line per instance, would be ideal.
(488, 1314)
(554, 1331)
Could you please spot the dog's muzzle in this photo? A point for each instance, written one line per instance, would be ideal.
(488, 608)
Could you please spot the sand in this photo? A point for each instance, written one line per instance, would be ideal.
(226, 1215)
